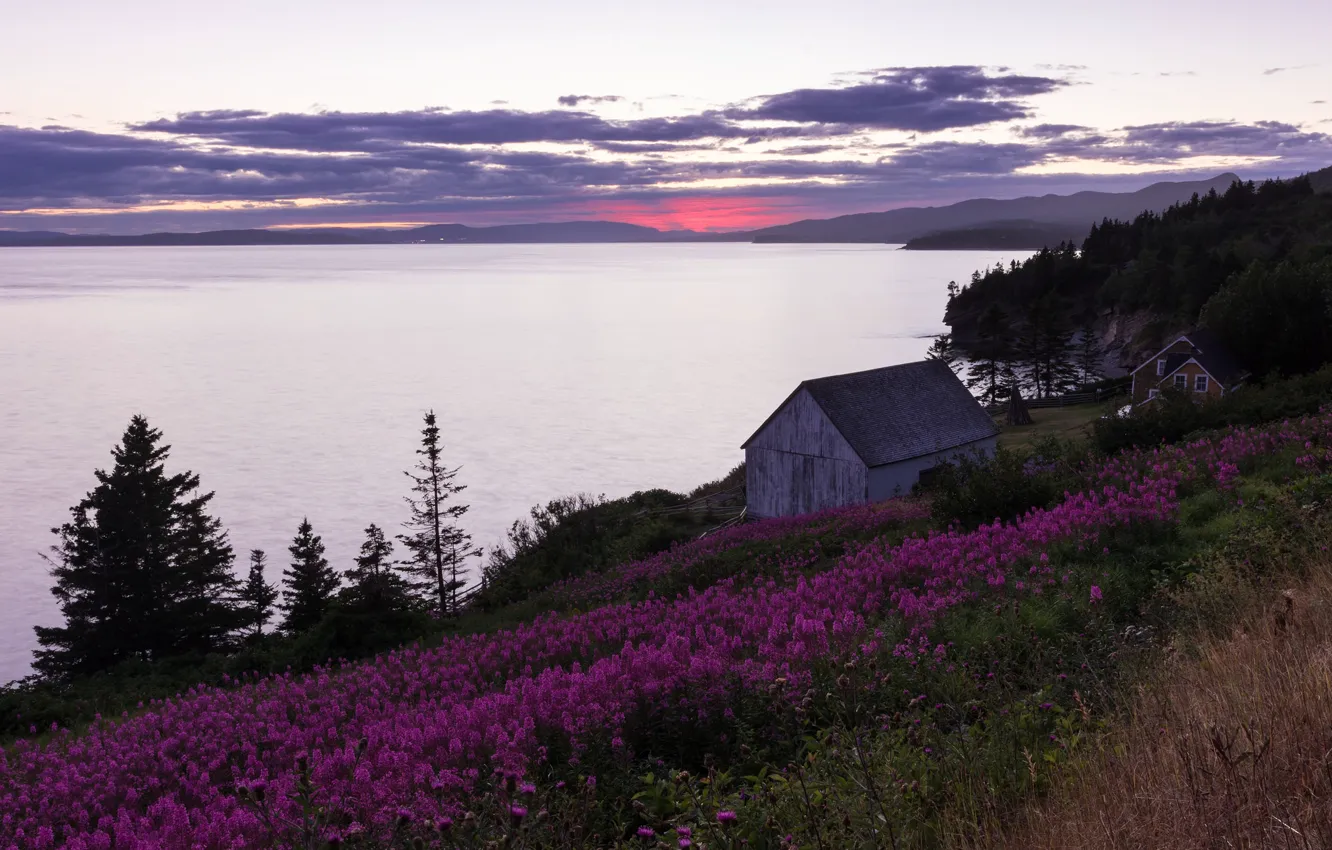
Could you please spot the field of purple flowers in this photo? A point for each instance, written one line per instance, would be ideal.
(414, 734)
(798, 543)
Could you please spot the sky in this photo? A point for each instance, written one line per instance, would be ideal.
(142, 115)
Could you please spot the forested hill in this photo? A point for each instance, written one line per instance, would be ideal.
(1140, 280)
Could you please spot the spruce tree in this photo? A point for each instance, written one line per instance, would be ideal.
(257, 596)
(309, 583)
(437, 545)
(142, 571)
(991, 369)
(374, 582)
(1089, 357)
(943, 350)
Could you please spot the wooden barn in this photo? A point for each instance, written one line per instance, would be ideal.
(861, 437)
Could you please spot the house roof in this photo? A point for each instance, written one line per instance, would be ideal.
(1213, 356)
(898, 412)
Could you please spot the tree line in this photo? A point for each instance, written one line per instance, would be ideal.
(144, 572)
(1043, 355)
(1253, 264)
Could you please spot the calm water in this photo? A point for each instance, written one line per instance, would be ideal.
(293, 379)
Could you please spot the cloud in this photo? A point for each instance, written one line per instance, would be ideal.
(1178, 74)
(576, 99)
(368, 132)
(1267, 72)
(495, 164)
(650, 147)
(923, 99)
(1174, 141)
(1051, 131)
(1318, 101)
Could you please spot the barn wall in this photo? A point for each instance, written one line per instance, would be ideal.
(802, 427)
(799, 463)
(785, 483)
(897, 479)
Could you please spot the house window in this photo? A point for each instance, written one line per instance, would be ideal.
(1182, 381)
(1151, 394)
(1160, 368)
(1200, 384)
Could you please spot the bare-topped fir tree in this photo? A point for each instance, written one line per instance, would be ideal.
(437, 545)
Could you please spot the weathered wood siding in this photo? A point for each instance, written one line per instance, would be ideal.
(800, 463)
(897, 479)
(802, 427)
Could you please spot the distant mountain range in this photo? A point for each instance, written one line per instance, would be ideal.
(1021, 223)
(1078, 211)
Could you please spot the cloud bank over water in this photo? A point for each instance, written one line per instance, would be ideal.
(884, 138)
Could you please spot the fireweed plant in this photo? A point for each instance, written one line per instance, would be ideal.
(956, 650)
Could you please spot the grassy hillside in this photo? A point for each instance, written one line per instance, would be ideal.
(899, 675)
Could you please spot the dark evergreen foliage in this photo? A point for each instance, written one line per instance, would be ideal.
(991, 369)
(309, 584)
(1276, 318)
(1169, 264)
(942, 349)
(1088, 359)
(437, 545)
(1044, 349)
(142, 571)
(374, 584)
(257, 595)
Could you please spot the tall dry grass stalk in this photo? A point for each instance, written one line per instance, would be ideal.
(1229, 747)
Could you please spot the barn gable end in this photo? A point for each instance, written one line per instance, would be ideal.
(798, 462)
(801, 426)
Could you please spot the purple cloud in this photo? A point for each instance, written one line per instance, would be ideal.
(435, 162)
(922, 99)
(575, 99)
(1051, 131)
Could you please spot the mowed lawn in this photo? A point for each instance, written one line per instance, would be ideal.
(1072, 422)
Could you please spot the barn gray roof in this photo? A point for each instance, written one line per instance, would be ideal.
(898, 412)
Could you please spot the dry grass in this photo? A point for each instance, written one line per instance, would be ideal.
(1229, 747)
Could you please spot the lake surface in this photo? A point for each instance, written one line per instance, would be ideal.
(293, 379)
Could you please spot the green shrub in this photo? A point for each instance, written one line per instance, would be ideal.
(971, 491)
(1175, 415)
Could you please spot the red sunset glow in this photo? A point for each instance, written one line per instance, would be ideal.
(701, 214)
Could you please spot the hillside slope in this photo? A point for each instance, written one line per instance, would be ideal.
(1140, 280)
(1079, 210)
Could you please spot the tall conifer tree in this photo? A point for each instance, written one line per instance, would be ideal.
(142, 570)
(942, 349)
(374, 582)
(1089, 356)
(309, 583)
(257, 595)
(437, 545)
(990, 370)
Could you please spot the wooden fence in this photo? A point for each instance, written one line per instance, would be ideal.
(1066, 400)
